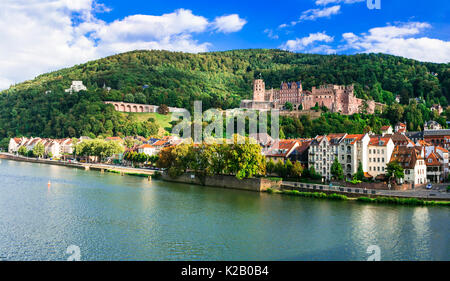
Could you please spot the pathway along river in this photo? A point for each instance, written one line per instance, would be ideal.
(113, 217)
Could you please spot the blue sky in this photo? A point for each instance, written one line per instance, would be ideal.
(269, 15)
(44, 35)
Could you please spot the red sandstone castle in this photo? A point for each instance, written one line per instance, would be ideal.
(336, 98)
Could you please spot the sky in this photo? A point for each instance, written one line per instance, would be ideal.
(38, 36)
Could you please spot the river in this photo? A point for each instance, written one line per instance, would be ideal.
(113, 217)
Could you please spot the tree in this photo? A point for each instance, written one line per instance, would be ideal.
(359, 173)
(129, 98)
(163, 109)
(39, 150)
(245, 159)
(22, 151)
(280, 169)
(336, 170)
(297, 170)
(394, 170)
(288, 166)
(288, 106)
(140, 98)
(270, 167)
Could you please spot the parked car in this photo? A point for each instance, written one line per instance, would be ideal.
(429, 186)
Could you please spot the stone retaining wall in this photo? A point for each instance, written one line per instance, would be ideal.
(225, 181)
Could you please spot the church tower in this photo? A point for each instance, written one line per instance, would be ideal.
(259, 90)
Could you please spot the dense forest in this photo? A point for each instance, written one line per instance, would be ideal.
(40, 107)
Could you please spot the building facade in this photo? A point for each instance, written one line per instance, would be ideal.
(335, 97)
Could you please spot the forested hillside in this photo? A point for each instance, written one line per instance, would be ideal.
(40, 107)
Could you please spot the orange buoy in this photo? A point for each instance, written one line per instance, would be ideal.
(49, 184)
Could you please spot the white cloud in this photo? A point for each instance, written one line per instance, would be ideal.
(230, 23)
(326, 2)
(398, 40)
(45, 35)
(270, 34)
(308, 44)
(313, 14)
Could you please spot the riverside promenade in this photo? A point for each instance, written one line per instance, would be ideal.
(360, 192)
(439, 195)
(85, 166)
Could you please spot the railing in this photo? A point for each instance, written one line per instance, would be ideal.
(323, 187)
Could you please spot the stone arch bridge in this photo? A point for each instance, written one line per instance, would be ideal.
(132, 107)
(136, 107)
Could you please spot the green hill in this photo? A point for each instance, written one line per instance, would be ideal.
(219, 79)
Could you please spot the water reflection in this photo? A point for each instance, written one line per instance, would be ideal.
(113, 217)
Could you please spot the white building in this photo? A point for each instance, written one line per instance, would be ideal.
(379, 154)
(386, 130)
(412, 159)
(352, 151)
(14, 144)
(147, 149)
(322, 152)
(76, 87)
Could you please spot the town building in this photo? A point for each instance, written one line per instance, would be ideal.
(300, 153)
(412, 160)
(438, 108)
(432, 125)
(379, 154)
(434, 167)
(322, 152)
(53, 147)
(386, 130)
(400, 128)
(438, 137)
(281, 150)
(147, 149)
(14, 144)
(352, 151)
(76, 87)
(400, 139)
(414, 136)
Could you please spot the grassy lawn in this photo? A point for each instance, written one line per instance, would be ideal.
(163, 121)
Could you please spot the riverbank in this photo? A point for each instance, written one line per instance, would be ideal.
(86, 166)
(376, 200)
(261, 184)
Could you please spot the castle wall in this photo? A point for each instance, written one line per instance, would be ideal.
(336, 98)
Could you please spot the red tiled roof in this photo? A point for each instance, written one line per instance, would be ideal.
(432, 160)
(379, 141)
(385, 128)
(442, 149)
(146, 146)
(160, 143)
(283, 147)
(355, 137)
(405, 156)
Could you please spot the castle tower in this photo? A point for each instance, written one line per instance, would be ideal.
(259, 90)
